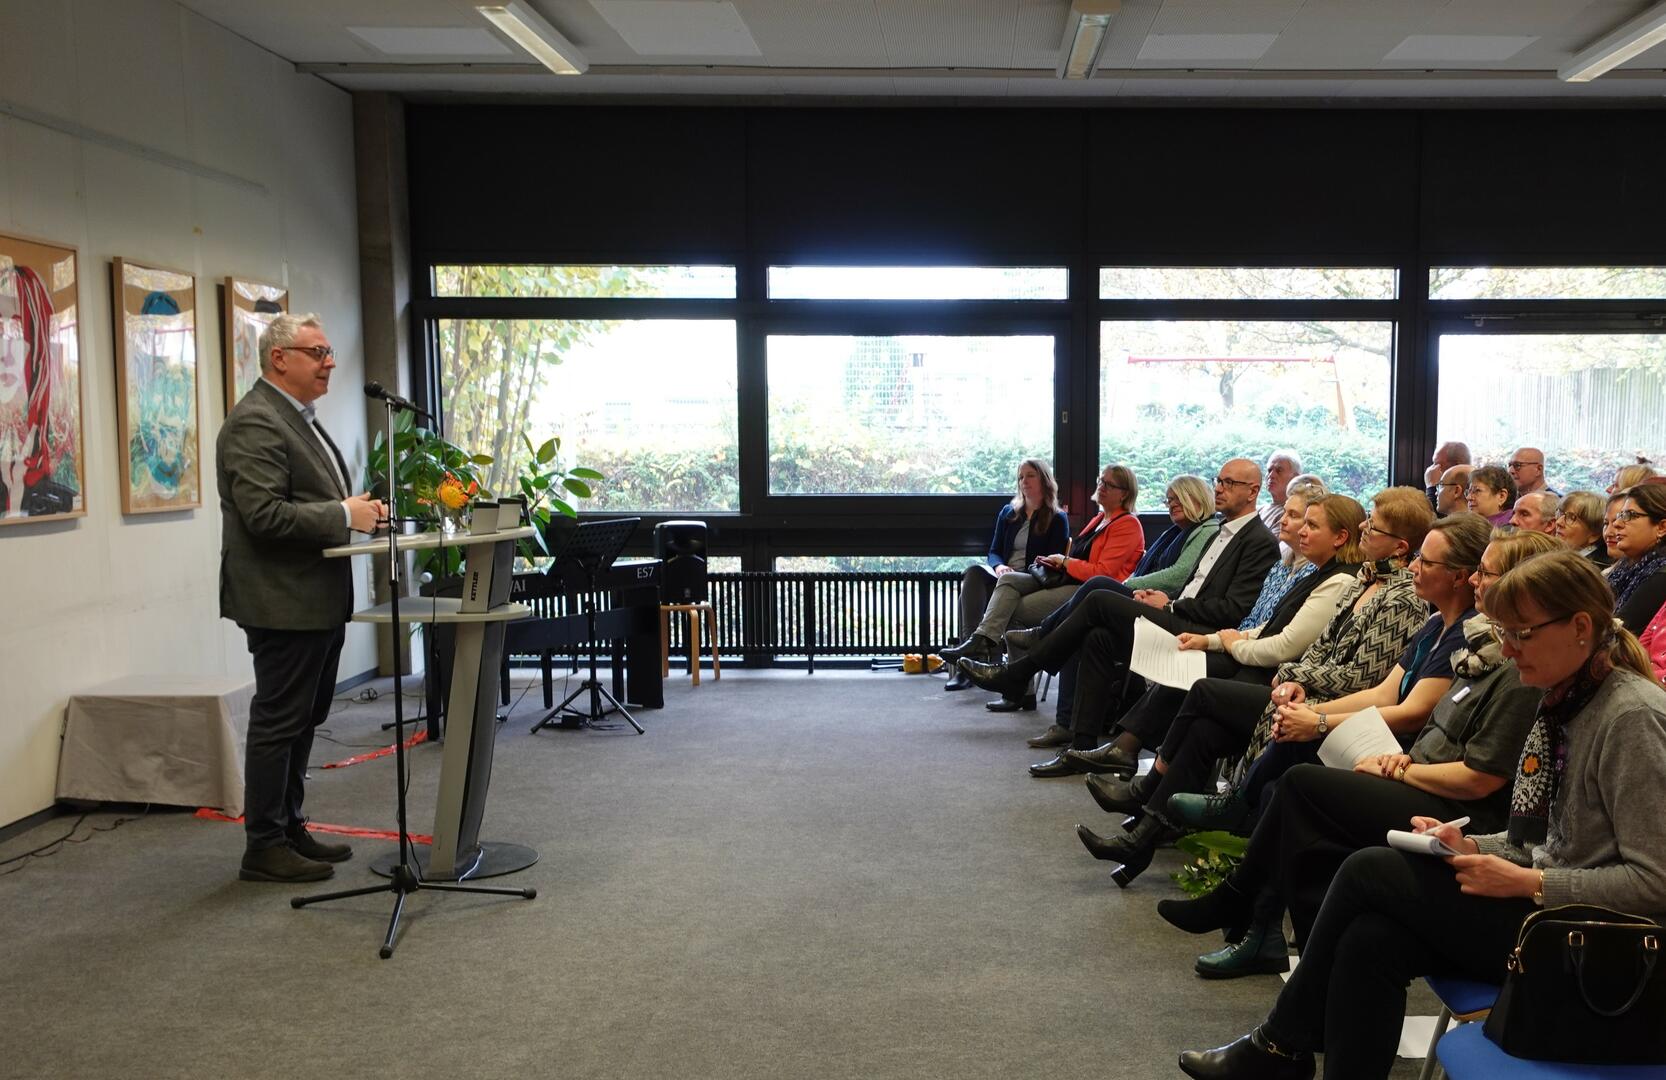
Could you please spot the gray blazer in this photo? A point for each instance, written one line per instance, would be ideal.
(280, 505)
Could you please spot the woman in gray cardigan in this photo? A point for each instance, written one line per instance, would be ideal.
(1584, 828)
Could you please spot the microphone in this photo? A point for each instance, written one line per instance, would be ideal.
(381, 393)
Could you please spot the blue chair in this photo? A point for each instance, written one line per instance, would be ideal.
(1460, 999)
(1467, 1054)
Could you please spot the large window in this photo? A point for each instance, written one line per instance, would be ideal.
(540, 280)
(906, 414)
(918, 283)
(1181, 397)
(1247, 283)
(1547, 283)
(1590, 401)
(650, 403)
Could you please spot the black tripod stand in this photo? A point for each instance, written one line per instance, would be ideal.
(405, 877)
(591, 547)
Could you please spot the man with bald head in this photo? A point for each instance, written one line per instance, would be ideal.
(1449, 490)
(1220, 592)
(1447, 456)
(1536, 512)
(1527, 469)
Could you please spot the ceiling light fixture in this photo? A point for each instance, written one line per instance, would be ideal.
(530, 31)
(1085, 28)
(1637, 36)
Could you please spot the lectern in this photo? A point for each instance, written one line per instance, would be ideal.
(478, 617)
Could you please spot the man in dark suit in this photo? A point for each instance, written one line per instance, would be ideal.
(1222, 589)
(284, 497)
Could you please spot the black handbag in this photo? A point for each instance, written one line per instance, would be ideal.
(1583, 985)
(1049, 577)
(1079, 549)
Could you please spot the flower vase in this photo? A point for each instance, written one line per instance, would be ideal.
(454, 520)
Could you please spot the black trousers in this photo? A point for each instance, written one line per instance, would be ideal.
(1215, 719)
(295, 678)
(1066, 689)
(1388, 918)
(1317, 818)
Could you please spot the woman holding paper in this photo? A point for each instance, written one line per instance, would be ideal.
(1459, 765)
(1582, 829)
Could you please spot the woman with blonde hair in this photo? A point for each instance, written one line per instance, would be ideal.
(1581, 830)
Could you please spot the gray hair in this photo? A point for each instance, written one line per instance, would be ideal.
(1288, 456)
(1549, 503)
(1585, 507)
(1458, 452)
(1306, 486)
(281, 332)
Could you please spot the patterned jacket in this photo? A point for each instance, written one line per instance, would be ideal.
(1352, 653)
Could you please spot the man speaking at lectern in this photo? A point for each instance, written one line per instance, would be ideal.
(284, 498)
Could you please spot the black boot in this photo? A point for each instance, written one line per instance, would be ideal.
(976, 647)
(1227, 908)
(1118, 796)
(1133, 849)
(1263, 951)
(1248, 1057)
(958, 681)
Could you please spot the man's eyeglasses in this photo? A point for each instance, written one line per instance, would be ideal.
(1420, 557)
(319, 353)
(1227, 481)
(1521, 464)
(1518, 638)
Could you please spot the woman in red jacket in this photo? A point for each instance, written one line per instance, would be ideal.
(1113, 538)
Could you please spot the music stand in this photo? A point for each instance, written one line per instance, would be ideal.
(592, 547)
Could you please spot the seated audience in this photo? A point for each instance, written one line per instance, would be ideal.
(1220, 592)
(1031, 525)
(1582, 830)
(1490, 493)
(1447, 456)
(1638, 577)
(1303, 601)
(1527, 470)
(1451, 489)
(1282, 467)
(1632, 475)
(1536, 512)
(1167, 564)
(1579, 526)
(1460, 765)
(1654, 643)
(1448, 555)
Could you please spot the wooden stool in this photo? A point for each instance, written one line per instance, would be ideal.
(694, 612)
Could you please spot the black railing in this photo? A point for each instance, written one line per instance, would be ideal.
(765, 617)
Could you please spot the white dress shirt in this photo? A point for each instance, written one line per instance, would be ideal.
(1212, 554)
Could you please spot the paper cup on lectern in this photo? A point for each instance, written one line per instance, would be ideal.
(484, 518)
(511, 511)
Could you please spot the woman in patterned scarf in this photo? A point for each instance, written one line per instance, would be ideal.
(1639, 577)
(1583, 828)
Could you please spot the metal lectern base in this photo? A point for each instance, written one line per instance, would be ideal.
(492, 860)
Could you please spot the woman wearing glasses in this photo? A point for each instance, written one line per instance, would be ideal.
(1638, 578)
(1460, 763)
(1491, 493)
(1579, 525)
(1581, 830)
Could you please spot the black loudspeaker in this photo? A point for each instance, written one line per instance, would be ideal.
(682, 547)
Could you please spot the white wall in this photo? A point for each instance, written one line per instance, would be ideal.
(106, 595)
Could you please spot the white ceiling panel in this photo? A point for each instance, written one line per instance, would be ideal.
(967, 50)
(431, 41)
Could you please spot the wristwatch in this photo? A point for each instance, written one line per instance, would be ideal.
(1324, 725)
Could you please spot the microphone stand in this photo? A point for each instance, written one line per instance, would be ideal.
(405, 877)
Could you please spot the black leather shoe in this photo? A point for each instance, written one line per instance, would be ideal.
(958, 681)
(309, 846)
(976, 647)
(1059, 766)
(282, 864)
(1246, 1058)
(1006, 704)
(1118, 796)
(1022, 640)
(1106, 759)
(1110, 850)
(997, 677)
(1133, 849)
(1056, 735)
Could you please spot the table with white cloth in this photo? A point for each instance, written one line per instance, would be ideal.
(175, 740)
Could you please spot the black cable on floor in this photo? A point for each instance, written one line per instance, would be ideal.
(54, 846)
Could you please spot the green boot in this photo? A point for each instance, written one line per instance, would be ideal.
(1263, 951)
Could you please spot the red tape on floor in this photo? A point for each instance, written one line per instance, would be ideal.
(207, 814)
(420, 737)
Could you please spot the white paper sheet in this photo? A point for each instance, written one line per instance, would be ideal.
(1364, 734)
(1418, 843)
(1158, 657)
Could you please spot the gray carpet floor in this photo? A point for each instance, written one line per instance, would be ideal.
(844, 875)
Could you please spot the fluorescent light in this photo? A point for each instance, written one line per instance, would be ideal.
(528, 29)
(1085, 28)
(1637, 36)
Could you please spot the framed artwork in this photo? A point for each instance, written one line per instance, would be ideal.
(249, 307)
(42, 449)
(156, 387)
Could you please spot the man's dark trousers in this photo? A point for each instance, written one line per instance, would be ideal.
(295, 677)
